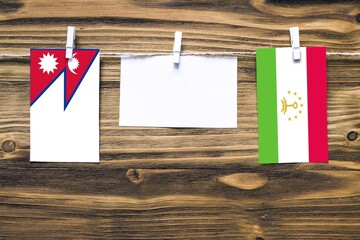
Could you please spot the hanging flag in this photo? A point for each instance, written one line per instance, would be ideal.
(64, 106)
(292, 118)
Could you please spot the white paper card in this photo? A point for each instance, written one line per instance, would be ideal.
(200, 92)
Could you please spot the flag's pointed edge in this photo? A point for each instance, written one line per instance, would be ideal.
(67, 102)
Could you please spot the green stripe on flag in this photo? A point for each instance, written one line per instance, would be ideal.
(267, 105)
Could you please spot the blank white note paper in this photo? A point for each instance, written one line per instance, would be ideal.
(200, 92)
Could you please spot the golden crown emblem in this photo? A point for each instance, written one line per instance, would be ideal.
(296, 105)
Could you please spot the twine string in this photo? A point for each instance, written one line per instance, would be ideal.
(148, 54)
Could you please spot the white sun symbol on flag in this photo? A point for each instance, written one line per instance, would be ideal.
(73, 64)
(48, 63)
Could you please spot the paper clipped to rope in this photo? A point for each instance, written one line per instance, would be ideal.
(292, 116)
(64, 100)
(199, 92)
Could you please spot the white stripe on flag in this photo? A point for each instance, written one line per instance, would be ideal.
(291, 81)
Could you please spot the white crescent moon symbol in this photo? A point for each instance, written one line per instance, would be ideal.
(73, 64)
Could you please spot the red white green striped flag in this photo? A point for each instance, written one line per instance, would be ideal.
(292, 119)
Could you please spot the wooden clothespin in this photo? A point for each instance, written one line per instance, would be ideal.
(177, 47)
(70, 42)
(295, 42)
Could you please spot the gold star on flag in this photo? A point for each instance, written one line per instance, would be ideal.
(295, 117)
(300, 112)
(295, 93)
(299, 98)
(301, 105)
(289, 92)
(289, 119)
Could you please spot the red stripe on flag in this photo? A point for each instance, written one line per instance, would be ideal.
(316, 84)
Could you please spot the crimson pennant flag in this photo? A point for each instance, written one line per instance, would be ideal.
(64, 105)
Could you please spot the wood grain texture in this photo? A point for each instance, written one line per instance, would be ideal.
(168, 183)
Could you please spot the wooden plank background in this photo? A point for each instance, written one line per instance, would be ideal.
(180, 183)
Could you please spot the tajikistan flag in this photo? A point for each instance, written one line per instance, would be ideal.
(291, 95)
